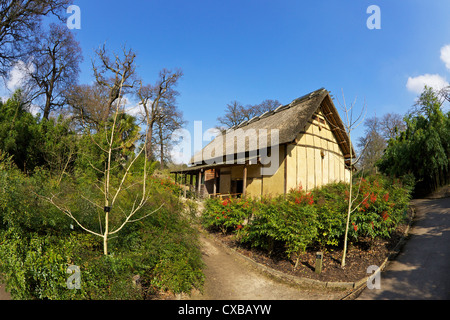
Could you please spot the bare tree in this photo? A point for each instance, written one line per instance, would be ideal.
(20, 21)
(235, 112)
(153, 97)
(116, 75)
(266, 105)
(87, 103)
(377, 133)
(446, 93)
(350, 124)
(55, 63)
(233, 115)
(391, 124)
(169, 119)
(371, 145)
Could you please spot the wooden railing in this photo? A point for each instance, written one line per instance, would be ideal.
(225, 195)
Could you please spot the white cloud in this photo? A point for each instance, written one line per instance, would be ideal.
(417, 84)
(18, 75)
(34, 110)
(134, 110)
(445, 55)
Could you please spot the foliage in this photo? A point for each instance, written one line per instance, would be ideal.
(38, 243)
(19, 133)
(423, 149)
(34, 143)
(291, 223)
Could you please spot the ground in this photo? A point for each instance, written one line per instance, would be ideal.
(229, 277)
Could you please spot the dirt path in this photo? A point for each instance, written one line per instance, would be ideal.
(3, 294)
(421, 269)
(230, 277)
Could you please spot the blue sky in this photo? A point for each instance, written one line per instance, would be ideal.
(252, 50)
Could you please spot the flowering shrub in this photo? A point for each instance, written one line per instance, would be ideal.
(227, 215)
(261, 223)
(380, 206)
(299, 219)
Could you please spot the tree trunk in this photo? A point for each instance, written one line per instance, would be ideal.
(348, 220)
(105, 236)
(162, 156)
(149, 141)
(46, 115)
(350, 202)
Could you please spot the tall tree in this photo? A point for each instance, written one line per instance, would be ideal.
(55, 67)
(20, 21)
(423, 149)
(233, 116)
(378, 131)
(154, 98)
(168, 120)
(371, 145)
(87, 103)
(116, 75)
(390, 125)
(19, 133)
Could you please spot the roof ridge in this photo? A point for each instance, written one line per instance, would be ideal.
(279, 109)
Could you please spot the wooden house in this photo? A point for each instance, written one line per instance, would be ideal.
(305, 141)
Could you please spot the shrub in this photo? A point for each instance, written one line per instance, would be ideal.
(227, 215)
(38, 243)
(382, 206)
(261, 223)
(300, 220)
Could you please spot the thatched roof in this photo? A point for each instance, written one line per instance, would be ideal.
(289, 120)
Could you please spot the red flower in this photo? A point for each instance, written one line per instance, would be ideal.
(373, 197)
(311, 200)
(385, 215)
(386, 197)
(239, 227)
(355, 227)
(346, 194)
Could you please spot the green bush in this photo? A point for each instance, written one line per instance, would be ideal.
(38, 242)
(292, 224)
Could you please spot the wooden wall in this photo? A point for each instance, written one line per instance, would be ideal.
(315, 159)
